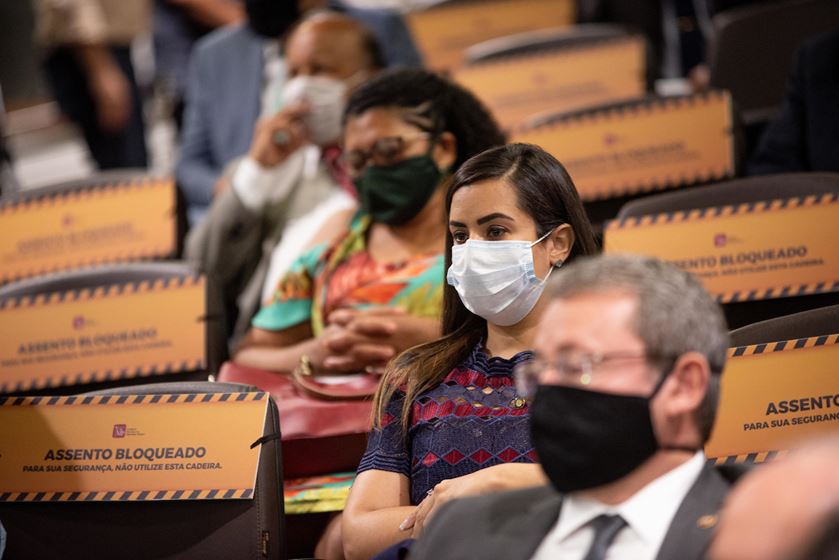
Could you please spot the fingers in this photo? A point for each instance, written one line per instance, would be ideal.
(414, 521)
(408, 523)
(345, 315)
(375, 327)
(277, 137)
(360, 358)
(342, 316)
(422, 512)
(372, 354)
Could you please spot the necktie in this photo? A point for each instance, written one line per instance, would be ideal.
(606, 528)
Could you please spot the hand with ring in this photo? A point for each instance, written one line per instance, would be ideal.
(276, 138)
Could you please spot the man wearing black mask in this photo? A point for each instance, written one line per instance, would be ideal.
(624, 391)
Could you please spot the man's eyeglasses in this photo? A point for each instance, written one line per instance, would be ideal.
(384, 152)
(574, 369)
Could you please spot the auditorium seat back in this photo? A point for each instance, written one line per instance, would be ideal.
(113, 216)
(446, 29)
(742, 191)
(541, 40)
(184, 530)
(813, 322)
(704, 125)
(119, 279)
(753, 48)
(778, 389)
(555, 70)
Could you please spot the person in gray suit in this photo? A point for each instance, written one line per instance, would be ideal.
(235, 76)
(623, 395)
(286, 196)
(231, 71)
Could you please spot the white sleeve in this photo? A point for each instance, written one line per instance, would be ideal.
(258, 186)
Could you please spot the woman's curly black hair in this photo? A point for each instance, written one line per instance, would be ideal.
(435, 105)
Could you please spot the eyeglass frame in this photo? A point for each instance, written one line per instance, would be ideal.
(369, 154)
(587, 363)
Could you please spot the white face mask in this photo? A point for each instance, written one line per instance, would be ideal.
(495, 279)
(326, 98)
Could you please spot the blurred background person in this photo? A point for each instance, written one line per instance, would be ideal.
(8, 182)
(283, 193)
(514, 218)
(805, 135)
(678, 33)
(388, 26)
(405, 132)
(236, 76)
(177, 25)
(785, 510)
(87, 62)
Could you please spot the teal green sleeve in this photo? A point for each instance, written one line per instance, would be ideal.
(291, 303)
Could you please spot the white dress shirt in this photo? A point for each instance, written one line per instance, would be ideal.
(648, 515)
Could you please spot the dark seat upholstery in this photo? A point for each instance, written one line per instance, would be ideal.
(741, 191)
(806, 324)
(753, 49)
(199, 530)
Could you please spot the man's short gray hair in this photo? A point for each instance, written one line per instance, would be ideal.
(675, 314)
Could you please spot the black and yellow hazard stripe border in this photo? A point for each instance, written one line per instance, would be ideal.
(783, 345)
(87, 400)
(747, 458)
(101, 292)
(83, 191)
(128, 496)
(712, 212)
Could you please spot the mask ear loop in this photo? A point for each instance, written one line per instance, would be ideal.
(557, 264)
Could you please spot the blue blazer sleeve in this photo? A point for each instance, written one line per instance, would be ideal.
(197, 170)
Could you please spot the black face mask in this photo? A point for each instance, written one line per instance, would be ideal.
(394, 195)
(586, 439)
(271, 18)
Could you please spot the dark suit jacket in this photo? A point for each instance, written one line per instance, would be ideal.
(511, 525)
(805, 136)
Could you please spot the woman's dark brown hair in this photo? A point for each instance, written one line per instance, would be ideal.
(545, 191)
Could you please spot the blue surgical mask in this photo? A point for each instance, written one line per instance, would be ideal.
(495, 279)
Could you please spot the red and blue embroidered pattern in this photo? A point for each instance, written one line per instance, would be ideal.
(474, 419)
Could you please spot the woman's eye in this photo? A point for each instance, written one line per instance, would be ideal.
(495, 232)
(459, 237)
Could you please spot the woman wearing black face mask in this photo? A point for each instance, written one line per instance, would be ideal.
(354, 303)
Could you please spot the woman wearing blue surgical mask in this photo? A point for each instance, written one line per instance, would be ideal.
(448, 421)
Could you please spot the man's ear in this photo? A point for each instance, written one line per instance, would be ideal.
(682, 395)
(561, 241)
(445, 151)
(688, 382)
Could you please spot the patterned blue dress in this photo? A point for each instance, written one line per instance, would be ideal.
(472, 420)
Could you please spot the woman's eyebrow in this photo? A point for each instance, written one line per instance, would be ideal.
(456, 224)
(494, 216)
